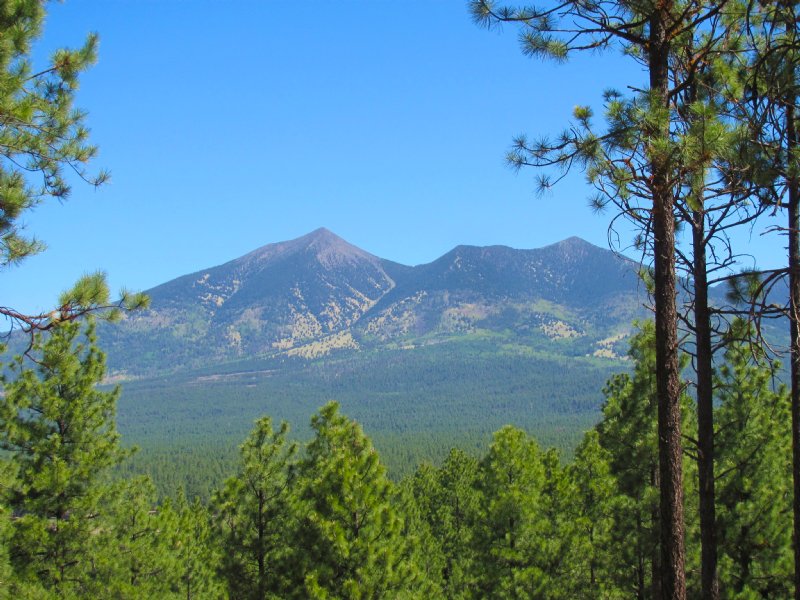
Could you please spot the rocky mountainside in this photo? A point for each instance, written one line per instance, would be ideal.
(318, 295)
(569, 289)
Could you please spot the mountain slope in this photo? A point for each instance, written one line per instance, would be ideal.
(272, 299)
(319, 294)
(568, 290)
(425, 357)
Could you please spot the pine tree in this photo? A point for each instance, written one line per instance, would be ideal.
(6, 572)
(61, 439)
(510, 536)
(422, 548)
(45, 148)
(349, 542)
(197, 555)
(134, 552)
(770, 110)
(451, 505)
(256, 522)
(560, 554)
(754, 489)
(716, 150)
(42, 133)
(594, 567)
(637, 166)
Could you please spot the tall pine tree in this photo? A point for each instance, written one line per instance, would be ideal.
(635, 166)
(256, 522)
(511, 535)
(350, 542)
(754, 470)
(60, 435)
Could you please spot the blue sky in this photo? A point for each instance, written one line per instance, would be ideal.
(230, 125)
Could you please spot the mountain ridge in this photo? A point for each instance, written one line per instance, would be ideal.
(318, 294)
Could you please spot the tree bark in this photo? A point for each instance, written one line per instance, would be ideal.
(668, 385)
(655, 558)
(673, 585)
(793, 191)
(709, 583)
(261, 554)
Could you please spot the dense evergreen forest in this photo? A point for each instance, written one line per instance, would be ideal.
(323, 519)
(688, 486)
(415, 405)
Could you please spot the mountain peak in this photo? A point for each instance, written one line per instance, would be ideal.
(328, 248)
(573, 242)
(318, 237)
(320, 234)
(575, 249)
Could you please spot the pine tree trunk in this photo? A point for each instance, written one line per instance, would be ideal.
(673, 580)
(794, 323)
(705, 416)
(260, 552)
(673, 585)
(655, 559)
(641, 560)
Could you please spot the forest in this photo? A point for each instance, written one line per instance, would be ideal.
(415, 406)
(688, 486)
(323, 519)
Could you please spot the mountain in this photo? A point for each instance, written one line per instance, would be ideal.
(425, 357)
(568, 290)
(318, 295)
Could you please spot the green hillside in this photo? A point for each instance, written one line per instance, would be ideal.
(416, 404)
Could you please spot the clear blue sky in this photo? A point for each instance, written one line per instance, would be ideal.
(230, 125)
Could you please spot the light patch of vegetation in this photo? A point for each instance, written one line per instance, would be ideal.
(304, 325)
(559, 330)
(397, 320)
(341, 340)
(250, 317)
(234, 338)
(606, 346)
(548, 308)
(463, 317)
